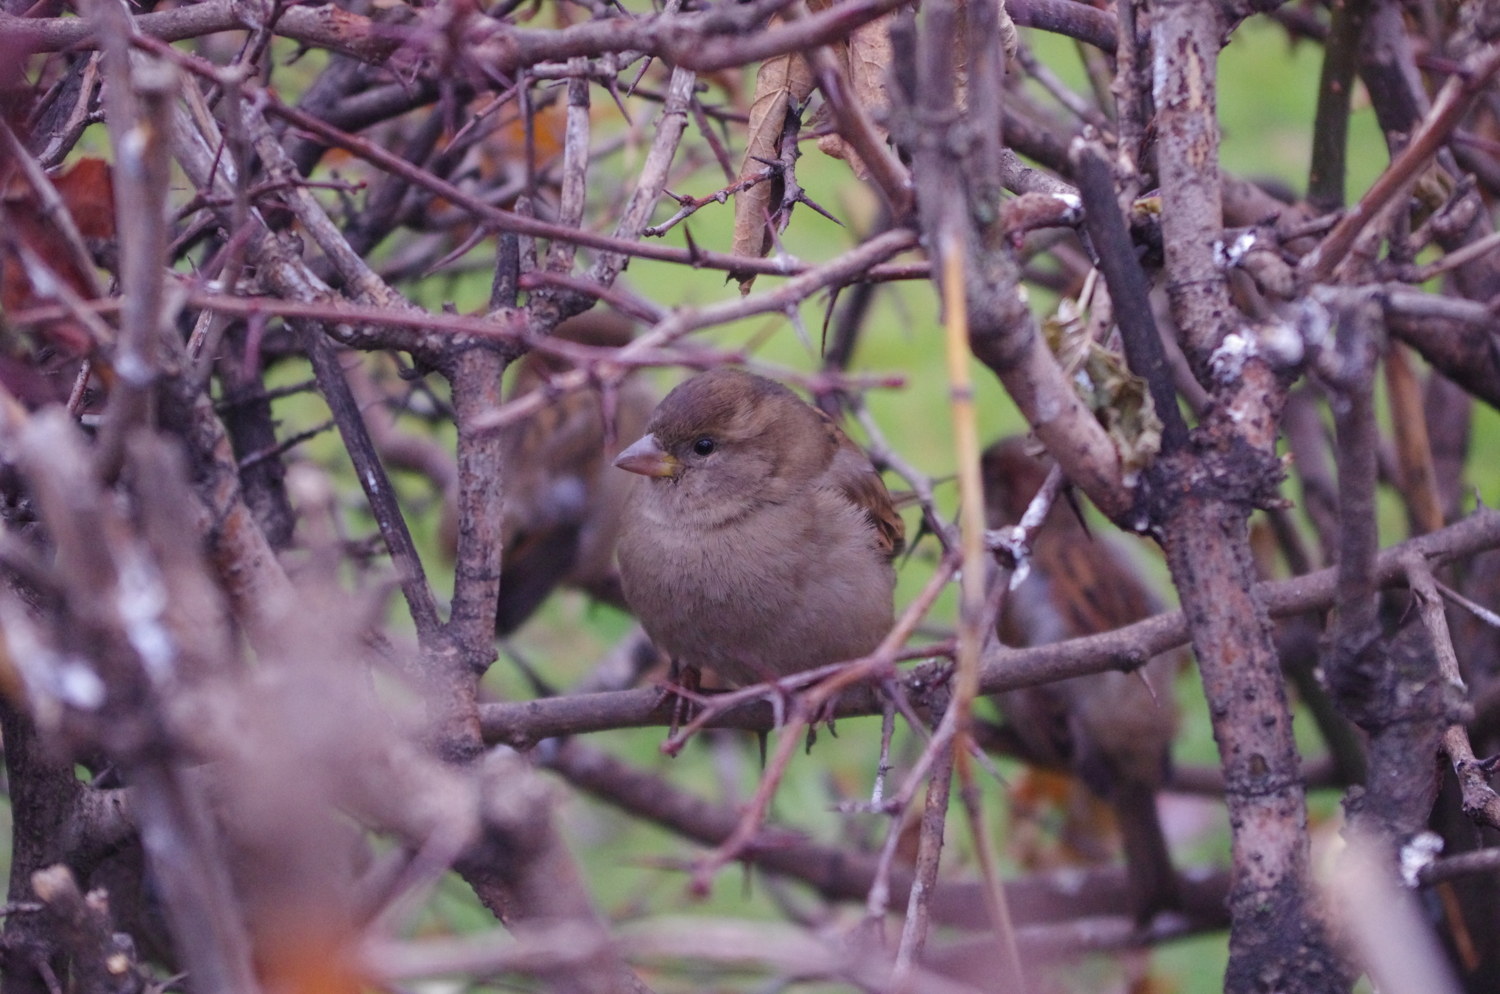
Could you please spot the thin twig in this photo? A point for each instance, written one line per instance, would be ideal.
(1448, 109)
(1459, 257)
(1462, 865)
(522, 724)
(1479, 611)
(691, 205)
(972, 608)
(1418, 482)
(372, 478)
(929, 854)
(285, 445)
(1480, 801)
(687, 320)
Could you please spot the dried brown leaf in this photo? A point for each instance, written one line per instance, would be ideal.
(866, 61)
(88, 191)
(778, 83)
(87, 194)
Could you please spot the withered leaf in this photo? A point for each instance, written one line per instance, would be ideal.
(1118, 398)
(866, 61)
(779, 83)
(87, 194)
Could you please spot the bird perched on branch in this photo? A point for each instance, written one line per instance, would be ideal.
(761, 542)
(1113, 730)
(563, 503)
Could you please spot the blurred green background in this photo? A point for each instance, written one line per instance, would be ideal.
(1267, 98)
(1268, 95)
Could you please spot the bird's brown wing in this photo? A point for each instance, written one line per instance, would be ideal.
(552, 462)
(562, 501)
(855, 477)
(533, 565)
(1105, 592)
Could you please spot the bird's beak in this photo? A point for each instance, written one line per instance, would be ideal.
(647, 458)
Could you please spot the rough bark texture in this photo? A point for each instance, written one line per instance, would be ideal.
(1275, 941)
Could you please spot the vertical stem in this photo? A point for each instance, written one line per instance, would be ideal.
(1132, 93)
(575, 165)
(138, 103)
(986, 110)
(1356, 620)
(1185, 38)
(653, 176)
(1325, 182)
(972, 609)
(475, 376)
(924, 881)
(43, 791)
(1271, 933)
(970, 487)
(1275, 943)
(1424, 508)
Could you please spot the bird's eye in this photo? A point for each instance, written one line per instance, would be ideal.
(703, 446)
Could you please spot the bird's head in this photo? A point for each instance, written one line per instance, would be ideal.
(730, 434)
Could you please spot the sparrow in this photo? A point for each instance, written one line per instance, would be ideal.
(563, 503)
(1112, 730)
(761, 542)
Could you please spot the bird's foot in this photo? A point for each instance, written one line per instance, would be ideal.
(683, 685)
(823, 716)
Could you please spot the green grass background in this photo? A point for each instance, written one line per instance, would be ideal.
(1267, 98)
(1268, 94)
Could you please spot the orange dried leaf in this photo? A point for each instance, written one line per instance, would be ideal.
(310, 964)
(89, 193)
(508, 143)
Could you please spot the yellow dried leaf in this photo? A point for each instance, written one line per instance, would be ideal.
(1122, 403)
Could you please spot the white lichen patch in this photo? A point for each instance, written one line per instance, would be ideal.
(1418, 854)
(1228, 258)
(1228, 360)
(1280, 343)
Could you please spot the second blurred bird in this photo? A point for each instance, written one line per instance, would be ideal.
(1111, 729)
(563, 499)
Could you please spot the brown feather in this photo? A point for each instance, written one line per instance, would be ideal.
(861, 483)
(1110, 728)
(563, 501)
(764, 545)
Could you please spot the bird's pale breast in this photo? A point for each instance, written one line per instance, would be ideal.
(784, 588)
